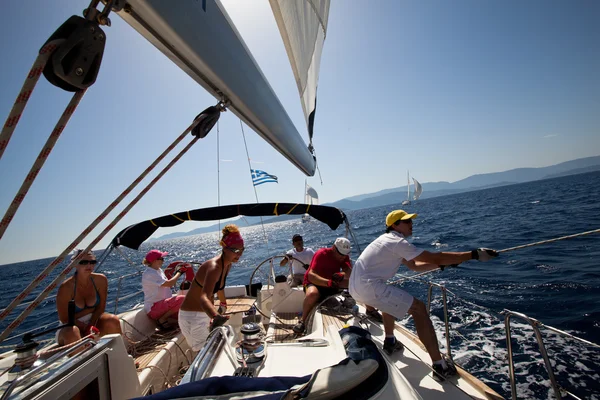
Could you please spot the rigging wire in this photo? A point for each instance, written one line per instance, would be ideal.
(28, 86)
(42, 275)
(218, 177)
(549, 241)
(39, 161)
(110, 226)
(255, 192)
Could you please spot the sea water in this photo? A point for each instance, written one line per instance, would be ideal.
(557, 283)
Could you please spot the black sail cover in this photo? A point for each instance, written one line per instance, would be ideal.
(134, 235)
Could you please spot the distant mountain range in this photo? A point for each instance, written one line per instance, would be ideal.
(435, 189)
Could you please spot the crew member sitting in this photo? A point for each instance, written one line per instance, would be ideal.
(329, 272)
(159, 302)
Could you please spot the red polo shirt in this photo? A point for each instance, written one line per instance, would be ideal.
(325, 264)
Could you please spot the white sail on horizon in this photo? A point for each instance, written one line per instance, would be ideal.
(311, 196)
(418, 189)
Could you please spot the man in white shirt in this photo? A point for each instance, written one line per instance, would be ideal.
(380, 261)
(300, 257)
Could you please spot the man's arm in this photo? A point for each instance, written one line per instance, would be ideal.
(419, 266)
(317, 279)
(442, 258)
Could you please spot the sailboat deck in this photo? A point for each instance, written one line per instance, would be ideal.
(335, 318)
(280, 327)
(145, 350)
(238, 304)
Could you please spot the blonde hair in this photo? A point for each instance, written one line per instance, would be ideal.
(79, 251)
(227, 230)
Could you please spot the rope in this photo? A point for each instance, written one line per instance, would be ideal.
(39, 162)
(87, 230)
(549, 240)
(167, 383)
(411, 277)
(28, 86)
(110, 226)
(508, 249)
(48, 353)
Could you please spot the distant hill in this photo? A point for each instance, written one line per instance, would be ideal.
(435, 189)
(575, 171)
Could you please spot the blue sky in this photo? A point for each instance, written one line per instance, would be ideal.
(445, 89)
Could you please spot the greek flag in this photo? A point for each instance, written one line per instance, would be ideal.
(259, 177)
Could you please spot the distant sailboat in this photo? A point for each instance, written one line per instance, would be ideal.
(310, 197)
(407, 201)
(418, 189)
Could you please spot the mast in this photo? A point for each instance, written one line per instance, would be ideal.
(407, 185)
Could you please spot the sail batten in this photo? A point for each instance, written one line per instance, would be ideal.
(303, 27)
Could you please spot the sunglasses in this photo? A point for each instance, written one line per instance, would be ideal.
(86, 262)
(234, 250)
(160, 259)
(406, 221)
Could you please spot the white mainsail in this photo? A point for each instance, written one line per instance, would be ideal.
(202, 40)
(418, 189)
(311, 195)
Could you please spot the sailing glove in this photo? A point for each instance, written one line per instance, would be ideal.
(338, 277)
(332, 284)
(483, 254)
(216, 321)
(222, 308)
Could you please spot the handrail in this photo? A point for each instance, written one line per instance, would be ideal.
(538, 336)
(28, 376)
(21, 305)
(119, 287)
(208, 355)
(446, 321)
(535, 324)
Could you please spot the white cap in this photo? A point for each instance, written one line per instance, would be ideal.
(343, 245)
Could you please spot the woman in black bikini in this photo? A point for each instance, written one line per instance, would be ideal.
(198, 312)
(88, 290)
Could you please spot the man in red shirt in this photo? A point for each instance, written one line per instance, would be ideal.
(329, 272)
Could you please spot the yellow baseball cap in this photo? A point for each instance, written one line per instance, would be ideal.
(398, 215)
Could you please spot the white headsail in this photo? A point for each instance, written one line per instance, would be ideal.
(418, 189)
(303, 26)
(201, 39)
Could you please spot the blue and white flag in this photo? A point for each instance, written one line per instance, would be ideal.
(259, 177)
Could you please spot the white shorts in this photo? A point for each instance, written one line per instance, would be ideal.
(387, 298)
(194, 326)
(85, 319)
